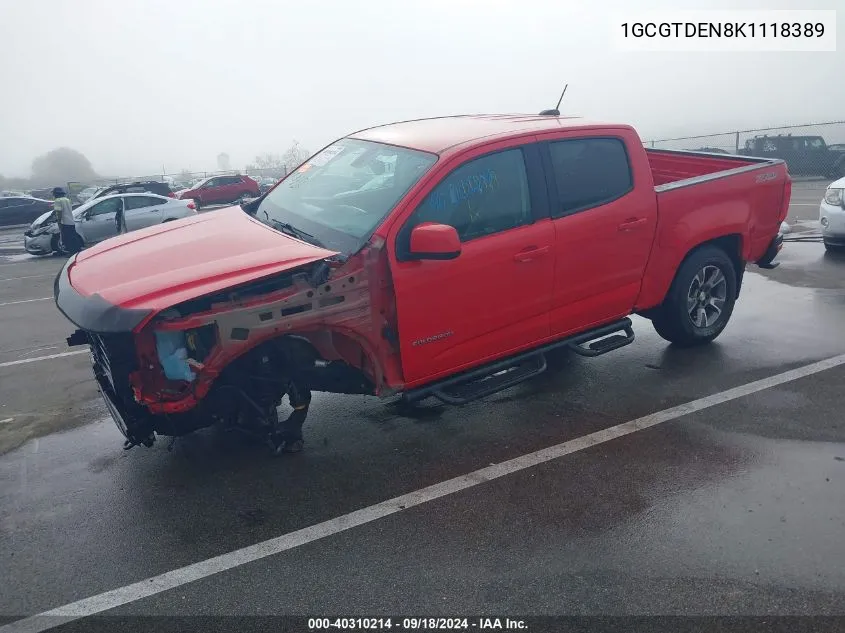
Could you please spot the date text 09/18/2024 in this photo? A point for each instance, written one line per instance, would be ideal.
(416, 624)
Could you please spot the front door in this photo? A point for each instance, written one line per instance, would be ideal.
(100, 221)
(493, 299)
(604, 229)
(211, 191)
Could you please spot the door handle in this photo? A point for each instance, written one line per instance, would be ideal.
(532, 252)
(632, 223)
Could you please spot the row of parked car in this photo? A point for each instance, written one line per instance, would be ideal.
(21, 209)
(108, 211)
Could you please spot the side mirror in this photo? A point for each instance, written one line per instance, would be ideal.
(435, 241)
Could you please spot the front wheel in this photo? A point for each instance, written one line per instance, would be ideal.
(837, 249)
(700, 301)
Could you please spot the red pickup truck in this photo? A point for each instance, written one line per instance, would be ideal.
(440, 258)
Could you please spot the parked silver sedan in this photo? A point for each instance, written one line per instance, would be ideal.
(105, 217)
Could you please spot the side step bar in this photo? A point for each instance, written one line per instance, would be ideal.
(463, 392)
(595, 344)
(494, 377)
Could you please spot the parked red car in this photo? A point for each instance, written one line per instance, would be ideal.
(439, 258)
(221, 190)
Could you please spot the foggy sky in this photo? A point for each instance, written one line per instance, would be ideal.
(137, 85)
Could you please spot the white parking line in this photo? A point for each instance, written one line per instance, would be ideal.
(14, 303)
(23, 361)
(197, 571)
(26, 277)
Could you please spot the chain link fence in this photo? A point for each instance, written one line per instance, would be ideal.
(814, 150)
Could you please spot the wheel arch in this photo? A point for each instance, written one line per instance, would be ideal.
(731, 244)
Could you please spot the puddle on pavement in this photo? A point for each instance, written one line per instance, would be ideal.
(19, 257)
(775, 516)
(808, 265)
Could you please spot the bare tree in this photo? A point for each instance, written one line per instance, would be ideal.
(62, 165)
(267, 160)
(294, 156)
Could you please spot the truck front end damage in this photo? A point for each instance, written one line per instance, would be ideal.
(229, 358)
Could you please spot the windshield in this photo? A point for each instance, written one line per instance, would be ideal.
(342, 194)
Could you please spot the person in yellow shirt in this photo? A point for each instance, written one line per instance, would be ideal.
(70, 241)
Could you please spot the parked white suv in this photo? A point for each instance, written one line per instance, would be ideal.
(832, 216)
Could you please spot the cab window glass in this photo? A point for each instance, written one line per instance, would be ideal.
(482, 197)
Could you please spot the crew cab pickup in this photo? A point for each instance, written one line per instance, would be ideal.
(443, 258)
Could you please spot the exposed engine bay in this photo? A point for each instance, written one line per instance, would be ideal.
(229, 359)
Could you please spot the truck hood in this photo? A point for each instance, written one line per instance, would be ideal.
(155, 268)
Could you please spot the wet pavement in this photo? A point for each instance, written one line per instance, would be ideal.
(736, 509)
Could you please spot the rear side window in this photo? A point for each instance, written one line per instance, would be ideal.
(589, 172)
(139, 202)
(484, 196)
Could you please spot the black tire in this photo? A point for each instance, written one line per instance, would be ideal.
(673, 320)
(835, 249)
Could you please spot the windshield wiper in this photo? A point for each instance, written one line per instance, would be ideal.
(290, 229)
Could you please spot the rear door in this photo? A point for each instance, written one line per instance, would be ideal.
(100, 221)
(141, 211)
(816, 157)
(233, 188)
(493, 299)
(213, 191)
(792, 151)
(604, 211)
(7, 213)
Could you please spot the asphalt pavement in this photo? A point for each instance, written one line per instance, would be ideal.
(725, 497)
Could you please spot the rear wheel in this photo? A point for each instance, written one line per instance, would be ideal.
(834, 248)
(700, 301)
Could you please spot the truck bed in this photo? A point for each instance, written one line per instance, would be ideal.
(702, 197)
(673, 166)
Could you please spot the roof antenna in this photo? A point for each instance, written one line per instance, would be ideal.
(556, 111)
